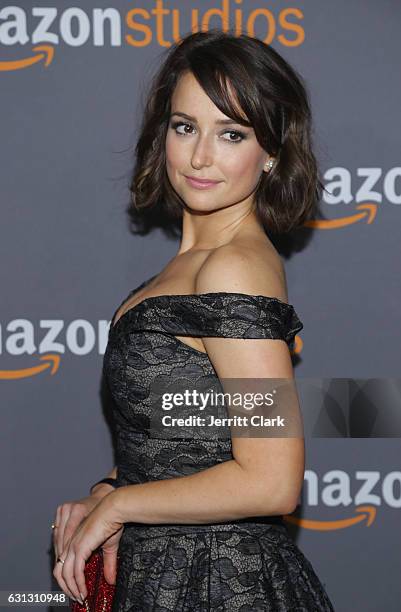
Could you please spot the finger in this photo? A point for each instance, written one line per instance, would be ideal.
(61, 582)
(68, 575)
(79, 566)
(71, 526)
(110, 566)
(64, 516)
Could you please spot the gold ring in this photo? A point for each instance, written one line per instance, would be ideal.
(60, 560)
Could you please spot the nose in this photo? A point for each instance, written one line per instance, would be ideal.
(202, 154)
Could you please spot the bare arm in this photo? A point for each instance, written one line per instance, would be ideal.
(223, 492)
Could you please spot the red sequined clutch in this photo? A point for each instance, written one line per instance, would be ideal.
(100, 592)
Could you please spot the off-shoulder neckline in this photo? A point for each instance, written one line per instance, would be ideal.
(154, 298)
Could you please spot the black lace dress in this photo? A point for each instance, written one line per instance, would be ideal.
(246, 565)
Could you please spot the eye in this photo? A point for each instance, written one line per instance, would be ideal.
(175, 125)
(240, 136)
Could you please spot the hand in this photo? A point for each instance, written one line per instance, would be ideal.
(110, 549)
(68, 517)
(99, 528)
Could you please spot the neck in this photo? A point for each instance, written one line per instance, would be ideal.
(212, 230)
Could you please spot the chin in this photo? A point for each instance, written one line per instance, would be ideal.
(199, 206)
(205, 204)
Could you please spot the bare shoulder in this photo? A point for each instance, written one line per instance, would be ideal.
(243, 266)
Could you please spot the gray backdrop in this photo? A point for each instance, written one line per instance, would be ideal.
(68, 258)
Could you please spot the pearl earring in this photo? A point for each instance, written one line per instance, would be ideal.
(269, 164)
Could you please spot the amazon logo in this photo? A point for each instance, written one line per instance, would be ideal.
(46, 26)
(47, 341)
(373, 188)
(354, 501)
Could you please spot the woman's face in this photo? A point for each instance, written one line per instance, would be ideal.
(198, 146)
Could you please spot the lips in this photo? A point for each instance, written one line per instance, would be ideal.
(201, 183)
(199, 180)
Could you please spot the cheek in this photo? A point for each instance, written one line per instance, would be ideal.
(175, 154)
(242, 163)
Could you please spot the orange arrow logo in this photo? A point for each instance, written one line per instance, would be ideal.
(45, 52)
(367, 513)
(298, 344)
(369, 213)
(52, 361)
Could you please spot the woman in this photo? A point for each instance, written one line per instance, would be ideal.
(197, 522)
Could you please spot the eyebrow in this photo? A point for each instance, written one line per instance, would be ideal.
(218, 121)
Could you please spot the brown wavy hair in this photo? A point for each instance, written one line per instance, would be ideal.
(274, 99)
